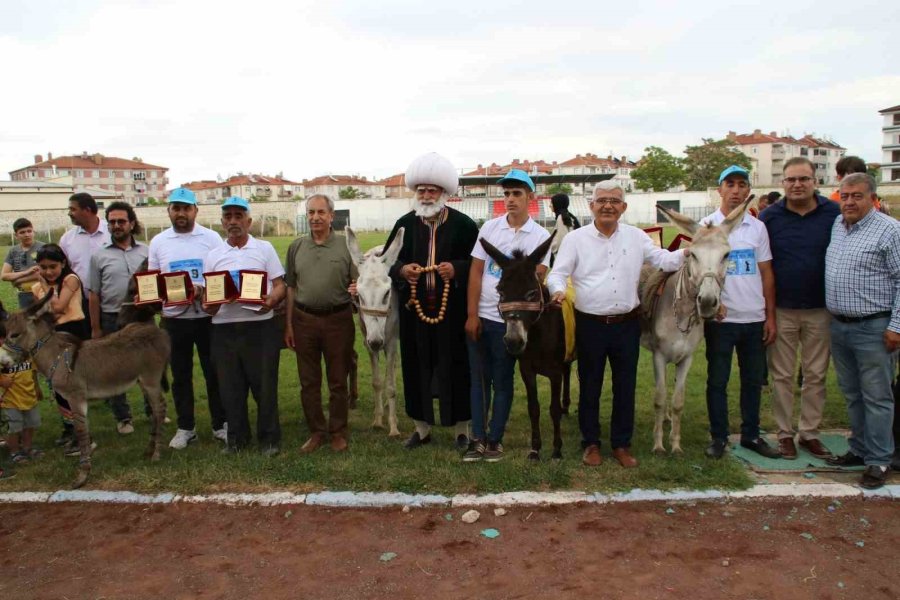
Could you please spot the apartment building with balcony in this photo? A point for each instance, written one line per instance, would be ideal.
(332, 185)
(258, 188)
(591, 164)
(769, 151)
(890, 145)
(133, 181)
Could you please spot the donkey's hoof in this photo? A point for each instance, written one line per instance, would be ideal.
(659, 451)
(677, 451)
(377, 425)
(80, 479)
(394, 434)
(557, 455)
(533, 456)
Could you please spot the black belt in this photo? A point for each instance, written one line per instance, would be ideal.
(322, 311)
(611, 319)
(879, 315)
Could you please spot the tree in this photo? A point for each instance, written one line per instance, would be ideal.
(348, 193)
(559, 188)
(659, 171)
(705, 162)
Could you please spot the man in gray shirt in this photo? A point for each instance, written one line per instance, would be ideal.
(111, 269)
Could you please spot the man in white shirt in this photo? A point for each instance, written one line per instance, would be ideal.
(246, 341)
(183, 247)
(604, 260)
(748, 324)
(490, 365)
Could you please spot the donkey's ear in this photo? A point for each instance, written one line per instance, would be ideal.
(353, 246)
(390, 254)
(685, 224)
(541, 251)
(736, 217)
(41, 307)
(501, 259)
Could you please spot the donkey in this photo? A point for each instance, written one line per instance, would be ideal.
(378, 321)
(93, 369)
(675, 308)
(534, 333)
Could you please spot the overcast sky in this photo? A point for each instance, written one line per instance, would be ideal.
(211, 88)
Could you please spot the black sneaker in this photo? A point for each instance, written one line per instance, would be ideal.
(874, 476)
(475, 452)
(494, 452)
(462, 442)
(716, 449)
(65, 437)
(846, 460)
(761, 447)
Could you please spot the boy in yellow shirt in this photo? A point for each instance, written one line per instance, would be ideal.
(19, 395)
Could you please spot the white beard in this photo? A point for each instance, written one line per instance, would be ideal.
(428, 211)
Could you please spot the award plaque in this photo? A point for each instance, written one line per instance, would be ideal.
(680, 241)
(177, 288)
(220, 288)
(147, 283)
(253, 287)
(656, 235)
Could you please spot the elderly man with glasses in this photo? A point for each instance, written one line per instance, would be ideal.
(799, 229)
(604, 260)
(431, 274)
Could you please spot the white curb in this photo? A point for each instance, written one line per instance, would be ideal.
(395, 499)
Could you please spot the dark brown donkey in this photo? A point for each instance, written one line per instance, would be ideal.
(534, 333)
(92, 369)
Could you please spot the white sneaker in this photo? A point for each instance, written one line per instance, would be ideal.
(221, 434)
(182, 438)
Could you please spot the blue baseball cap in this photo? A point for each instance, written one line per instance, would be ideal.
(517, 176)
(183, 196)
(734, 170)
(236, 201)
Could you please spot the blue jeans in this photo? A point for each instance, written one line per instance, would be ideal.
(722, 339)
(865, 370)
(596, 343)
(491, 368)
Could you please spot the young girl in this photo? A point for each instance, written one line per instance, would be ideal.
(57, 278)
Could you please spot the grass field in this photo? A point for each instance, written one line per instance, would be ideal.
(377, 463)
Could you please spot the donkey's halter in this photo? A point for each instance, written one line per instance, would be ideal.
(509, 310)
(13, 347)
(684, 285)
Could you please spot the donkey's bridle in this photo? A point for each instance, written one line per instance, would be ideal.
(681, 285)
(507, 310)
(14, 347)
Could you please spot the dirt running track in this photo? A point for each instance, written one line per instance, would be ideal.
(760, 549)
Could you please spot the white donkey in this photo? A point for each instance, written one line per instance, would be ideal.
(379, 321)
(675, 308)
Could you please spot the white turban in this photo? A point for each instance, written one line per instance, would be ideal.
(432, 169)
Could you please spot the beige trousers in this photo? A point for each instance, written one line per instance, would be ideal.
(808, 331)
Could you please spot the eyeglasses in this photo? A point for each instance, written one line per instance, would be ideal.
(793, 180)
(118, 221)
(429, 190)
(610, 201)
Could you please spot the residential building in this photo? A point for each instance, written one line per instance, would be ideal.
(22, 196)
(536, 167)
(258, 188)
(890, 145)
(133, 181)
(590, 164)
(395, 186)
(768, 153)
(333, 184)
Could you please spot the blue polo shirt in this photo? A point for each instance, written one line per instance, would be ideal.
(798, 245)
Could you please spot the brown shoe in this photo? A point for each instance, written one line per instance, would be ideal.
(816, 448)
(787, 448)
(338, 443)
(592, 457)
(625, 458)
(313, 443)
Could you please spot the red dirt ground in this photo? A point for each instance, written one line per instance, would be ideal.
(741, 550)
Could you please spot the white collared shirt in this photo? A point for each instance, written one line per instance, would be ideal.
(605, 270)
(255, 255)
(80, 246)
(743, 292)
(502, 236)
(172, 251)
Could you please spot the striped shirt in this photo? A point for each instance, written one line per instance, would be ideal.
(862, 268)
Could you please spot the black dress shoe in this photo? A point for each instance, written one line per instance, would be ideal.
(415, 440)
(462, 442)
(716, 449)
(761, 447)
(874, 476)
(846, 460)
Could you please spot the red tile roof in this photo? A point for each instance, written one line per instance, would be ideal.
(250, 179)
(542, 167)
(758, 137)
(592, 160)
(80, 162)
(338, 180)
(398, 180)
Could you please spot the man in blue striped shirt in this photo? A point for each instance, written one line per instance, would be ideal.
(862, 292)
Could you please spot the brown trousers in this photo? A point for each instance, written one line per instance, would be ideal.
(329, 337)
